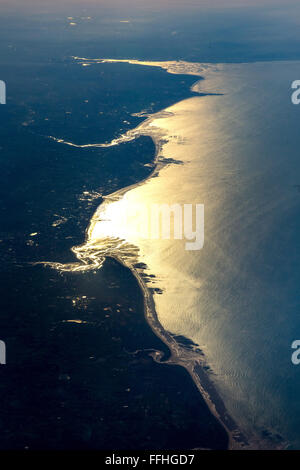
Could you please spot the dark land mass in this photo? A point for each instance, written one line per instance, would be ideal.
(92, 385)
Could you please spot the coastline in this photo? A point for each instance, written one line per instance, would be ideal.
(195, 364)
(196, 367)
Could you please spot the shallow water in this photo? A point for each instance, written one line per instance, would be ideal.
(237, 298)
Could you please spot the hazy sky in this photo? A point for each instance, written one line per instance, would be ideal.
(195, 30)
(147, 4)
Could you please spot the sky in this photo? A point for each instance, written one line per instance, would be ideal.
(194, 30)
(146, 4)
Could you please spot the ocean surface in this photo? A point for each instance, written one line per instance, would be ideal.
(235, 151)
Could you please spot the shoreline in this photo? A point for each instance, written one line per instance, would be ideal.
(193, 362)
(196, 367)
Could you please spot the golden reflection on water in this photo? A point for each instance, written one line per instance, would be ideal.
(184, 183)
